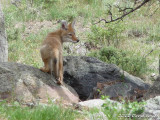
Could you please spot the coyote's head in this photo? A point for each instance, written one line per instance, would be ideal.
(68, 32)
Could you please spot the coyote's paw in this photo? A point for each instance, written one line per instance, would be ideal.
(60, 82)
(44, 69)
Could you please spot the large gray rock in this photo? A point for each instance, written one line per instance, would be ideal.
(28, 84)
(94, 103)
(83, 74)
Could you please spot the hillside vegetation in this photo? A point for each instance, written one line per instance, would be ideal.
(132, 44)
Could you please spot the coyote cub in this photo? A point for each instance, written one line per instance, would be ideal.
(51, 49)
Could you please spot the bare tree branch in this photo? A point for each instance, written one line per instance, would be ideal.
(120, 9)
(125, 13)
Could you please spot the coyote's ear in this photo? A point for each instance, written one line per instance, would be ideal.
(64, 24)
(73, 23)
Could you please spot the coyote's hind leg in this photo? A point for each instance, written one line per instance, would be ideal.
(60, 81)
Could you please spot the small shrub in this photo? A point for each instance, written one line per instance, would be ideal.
(154, 34)
(114, 111)
(126, 60)
(13, 34)
(106, 35)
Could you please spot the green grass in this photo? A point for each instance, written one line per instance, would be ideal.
(26, 50)
(50, 112)
(109, 110)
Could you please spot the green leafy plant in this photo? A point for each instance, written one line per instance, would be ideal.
(116, 111)
(109, 34)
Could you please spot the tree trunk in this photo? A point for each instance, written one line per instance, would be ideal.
(3, 39)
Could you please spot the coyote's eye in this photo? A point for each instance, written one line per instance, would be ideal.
(70, 34)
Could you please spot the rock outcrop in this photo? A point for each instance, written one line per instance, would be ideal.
(154, 89)
(83, 74)
(28, 84)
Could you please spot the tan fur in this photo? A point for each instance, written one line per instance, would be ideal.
(51, 50)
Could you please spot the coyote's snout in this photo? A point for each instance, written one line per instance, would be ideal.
(51, 49)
